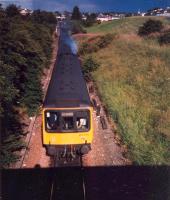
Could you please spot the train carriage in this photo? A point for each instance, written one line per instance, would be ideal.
(67, 110)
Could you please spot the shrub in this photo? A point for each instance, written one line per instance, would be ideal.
(90, 21)
(165, 38)
(9, 146)
(89, 65)
(12, 10)
(86, 48)
(93, 45)
(105, 40)
(150, 26)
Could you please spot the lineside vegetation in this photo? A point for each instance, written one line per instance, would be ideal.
(133, 81)
(25, 49)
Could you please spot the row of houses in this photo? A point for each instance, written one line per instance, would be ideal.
(109, 16)
(104, 17)
(163, 12)
(99, 17)
(156, 12)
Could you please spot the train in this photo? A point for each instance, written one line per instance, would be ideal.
(67, 123)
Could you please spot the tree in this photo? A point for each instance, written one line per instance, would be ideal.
(12, 10)
(57, 13)
(91, 19)
(76, 14)
(150, 26)
(25, 49)
(43, 17)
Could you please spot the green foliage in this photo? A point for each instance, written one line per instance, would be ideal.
(76, 14)
(25, 49)
(77, 27)
(10, 145)
(12, 10)
(91, 20)
(105, 40)
(89, 66)
(150, 26)
(95, 44)
(43, 17)
(165, 38)
(133, 82)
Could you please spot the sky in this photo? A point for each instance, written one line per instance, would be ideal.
(89, 5)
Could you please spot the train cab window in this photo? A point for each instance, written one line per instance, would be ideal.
(68, 123)
(81, 123)
(52, 121)
(82, 120)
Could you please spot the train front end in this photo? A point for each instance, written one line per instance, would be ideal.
(67, 130)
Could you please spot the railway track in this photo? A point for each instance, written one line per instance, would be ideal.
(66, 161)
(68, 180)
(25, 151)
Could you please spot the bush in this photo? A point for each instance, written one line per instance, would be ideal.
(90, 21)
(105, 40)
(150, 26)
(165, 38)
(12, 10)
(95, 44)
(89, 65)
(87, 47)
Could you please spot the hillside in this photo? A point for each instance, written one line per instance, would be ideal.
(133, 81)
(125, 25)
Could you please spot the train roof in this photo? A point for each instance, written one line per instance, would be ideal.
(67, 87)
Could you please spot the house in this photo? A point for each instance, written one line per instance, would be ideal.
(84, 17)
(25, 12)
(106, 18)
(60, 17)
(159, 12)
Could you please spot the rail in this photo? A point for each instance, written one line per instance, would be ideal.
(77, 179)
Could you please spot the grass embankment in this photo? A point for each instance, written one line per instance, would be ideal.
(134, 83)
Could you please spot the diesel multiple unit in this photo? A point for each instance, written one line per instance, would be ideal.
(67, 110)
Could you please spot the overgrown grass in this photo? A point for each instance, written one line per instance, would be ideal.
(134, 83)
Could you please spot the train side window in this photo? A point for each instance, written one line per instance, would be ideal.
(52, 120)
